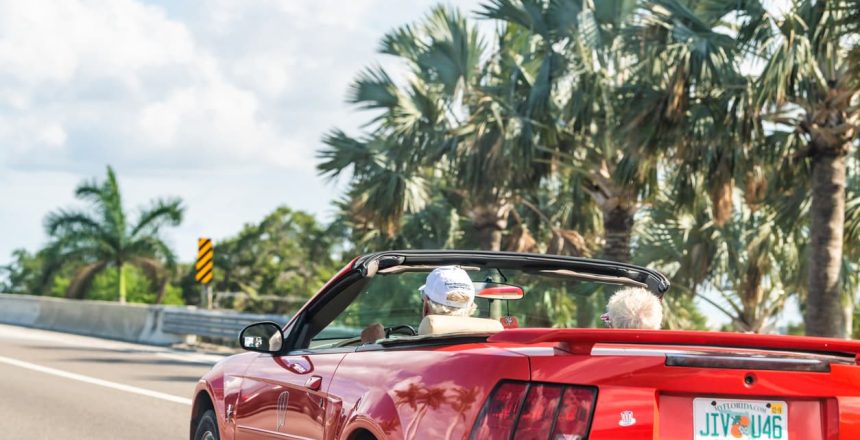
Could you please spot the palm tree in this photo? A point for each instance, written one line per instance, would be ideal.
(103, 236)
(461, 402)
(689, 99)
(745, 268)
(460, 125)
(587, 73)
(806, 89)
(389, 164)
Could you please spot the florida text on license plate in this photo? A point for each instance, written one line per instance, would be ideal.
(731, 419)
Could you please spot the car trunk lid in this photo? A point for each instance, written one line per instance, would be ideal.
(581, 341)
(682, 385)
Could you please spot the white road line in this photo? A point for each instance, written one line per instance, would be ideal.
(190, 358)
(95, 381)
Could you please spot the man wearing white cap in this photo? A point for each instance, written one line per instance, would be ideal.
(448, 290)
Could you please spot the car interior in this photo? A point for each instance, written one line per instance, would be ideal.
(506, 297)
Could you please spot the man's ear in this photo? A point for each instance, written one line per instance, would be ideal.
(425, 309)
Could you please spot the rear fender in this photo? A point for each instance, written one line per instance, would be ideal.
(376, 413)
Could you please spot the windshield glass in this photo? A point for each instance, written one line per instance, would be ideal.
(548, 300)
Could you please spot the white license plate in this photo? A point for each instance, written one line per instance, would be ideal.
(733, 419)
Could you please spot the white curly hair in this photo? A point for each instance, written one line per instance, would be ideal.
(635, 308)
(435, 308)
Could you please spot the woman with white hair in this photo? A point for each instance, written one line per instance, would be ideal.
(634, 308)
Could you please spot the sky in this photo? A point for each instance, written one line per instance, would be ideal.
(222, 105)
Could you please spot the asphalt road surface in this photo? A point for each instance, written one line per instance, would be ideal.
(60, 386)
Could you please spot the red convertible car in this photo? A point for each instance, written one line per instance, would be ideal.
(520, 368)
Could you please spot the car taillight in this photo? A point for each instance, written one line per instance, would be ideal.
(527, 411)
(501, 411)
(574, 415)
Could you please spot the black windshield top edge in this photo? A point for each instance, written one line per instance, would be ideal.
(655, 281)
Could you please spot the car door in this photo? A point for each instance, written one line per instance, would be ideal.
(283, 397)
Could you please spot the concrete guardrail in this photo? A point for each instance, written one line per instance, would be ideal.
(148, 324)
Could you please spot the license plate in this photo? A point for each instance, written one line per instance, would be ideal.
(733, 419)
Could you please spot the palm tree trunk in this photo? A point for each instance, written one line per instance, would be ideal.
(120, 270)
(824, 314)
(489, 237)
(162, 288)
(456, 421)
(618, 228)
(489, 222)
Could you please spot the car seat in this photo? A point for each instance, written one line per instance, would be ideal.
(444, 324)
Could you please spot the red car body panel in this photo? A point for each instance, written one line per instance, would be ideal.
(405, 392)
(268, 378)
(414, 394)
(428, 393)
(222, 385)
(661, 396)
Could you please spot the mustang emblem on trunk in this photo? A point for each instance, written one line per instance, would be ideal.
(627, 419)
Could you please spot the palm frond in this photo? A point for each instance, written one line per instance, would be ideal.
(526, 13)
(83, 278)
(151, 247)
(160, 213)
(156, 272)
(113, 207)
(373, 89)
(69, 221)
(344, 152)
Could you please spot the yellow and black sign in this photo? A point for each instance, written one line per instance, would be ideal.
(203, 268)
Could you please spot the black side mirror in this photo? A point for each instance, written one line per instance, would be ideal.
(263, 337)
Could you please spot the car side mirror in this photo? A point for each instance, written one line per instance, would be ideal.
(263, 337)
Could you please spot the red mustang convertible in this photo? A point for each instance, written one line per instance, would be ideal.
(519, 368)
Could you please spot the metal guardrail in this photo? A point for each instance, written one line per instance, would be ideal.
(212, 324)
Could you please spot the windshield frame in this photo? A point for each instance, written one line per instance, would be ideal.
(593, 269)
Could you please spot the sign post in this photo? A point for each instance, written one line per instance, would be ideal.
(203, 268)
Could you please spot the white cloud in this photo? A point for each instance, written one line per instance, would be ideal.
(222, 103)
(52, 135)
(120, 70)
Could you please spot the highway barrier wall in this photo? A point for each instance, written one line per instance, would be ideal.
(147, 324)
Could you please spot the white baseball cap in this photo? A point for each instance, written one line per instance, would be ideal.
(448, 279)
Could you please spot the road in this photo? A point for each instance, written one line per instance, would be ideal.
(55, 385)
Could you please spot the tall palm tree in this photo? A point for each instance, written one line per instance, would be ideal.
(807, 90)
(689, 100)
(586, 73)
(454, 121)
(103, 236)
(389, 163)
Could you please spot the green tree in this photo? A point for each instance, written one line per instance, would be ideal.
(577, 111)
(103, 236)
(746, 268)
(278, 263)
(806, 89)
(690, 99)
(139, 288)
(456, 122)
(24, 274)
